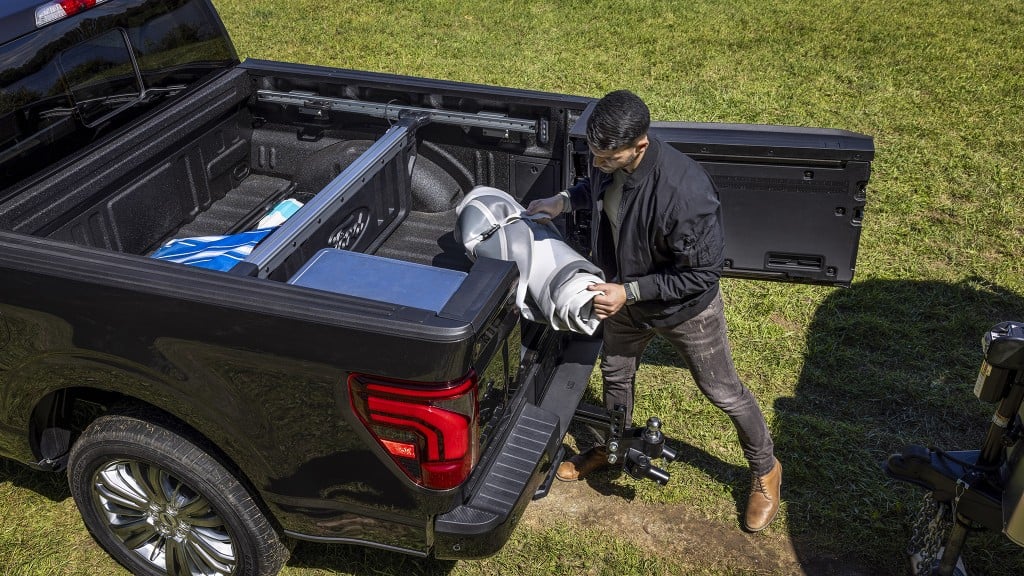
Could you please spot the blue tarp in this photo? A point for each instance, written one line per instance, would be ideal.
(213, 252)
(223, 252)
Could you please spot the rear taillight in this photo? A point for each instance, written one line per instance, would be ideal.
(53, 11)
(430, 430)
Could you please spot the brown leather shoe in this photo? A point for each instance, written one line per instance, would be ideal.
(763, 504)
(577, 467)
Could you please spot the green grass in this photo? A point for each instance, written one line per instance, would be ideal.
(845, 377)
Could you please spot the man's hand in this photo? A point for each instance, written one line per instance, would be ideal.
(611, 301)
(551, 206)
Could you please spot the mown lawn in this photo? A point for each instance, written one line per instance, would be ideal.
(846, 377)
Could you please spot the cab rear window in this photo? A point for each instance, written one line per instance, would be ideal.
(72, 83)
(101, 77)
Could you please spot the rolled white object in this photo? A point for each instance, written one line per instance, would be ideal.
(553, 278)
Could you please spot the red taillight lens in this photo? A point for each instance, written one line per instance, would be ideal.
(53, 11)
(430, 430)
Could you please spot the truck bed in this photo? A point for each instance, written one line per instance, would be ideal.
(427, 238)
(222, 167)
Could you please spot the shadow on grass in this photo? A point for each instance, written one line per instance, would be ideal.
(51, 485)
(715, 468)
(357, 560)
(888, 364)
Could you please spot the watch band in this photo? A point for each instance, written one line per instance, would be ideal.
(631, 292)
(566, 201)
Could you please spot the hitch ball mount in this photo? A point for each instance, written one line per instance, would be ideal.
(633, 448)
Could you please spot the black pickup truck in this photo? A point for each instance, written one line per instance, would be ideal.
(206, 418)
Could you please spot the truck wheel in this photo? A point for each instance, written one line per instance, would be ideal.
(161, 505)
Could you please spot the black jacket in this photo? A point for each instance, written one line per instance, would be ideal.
(671, 240)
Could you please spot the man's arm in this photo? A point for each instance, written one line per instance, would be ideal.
(551, 206)
(575, 198)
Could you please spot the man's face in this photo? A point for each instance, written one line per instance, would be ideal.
(627, 157)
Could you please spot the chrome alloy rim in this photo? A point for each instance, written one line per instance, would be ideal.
(168, 524)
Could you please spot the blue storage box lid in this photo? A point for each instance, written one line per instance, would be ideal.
(381, 279)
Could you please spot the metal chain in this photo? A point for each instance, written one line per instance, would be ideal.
(932, 523)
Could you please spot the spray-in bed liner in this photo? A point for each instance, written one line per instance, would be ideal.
(427, 238)
(239, 209)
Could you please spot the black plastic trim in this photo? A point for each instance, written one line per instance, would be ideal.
(482, 525)
(570, 380)
(103, 267)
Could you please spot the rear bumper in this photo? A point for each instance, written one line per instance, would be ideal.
(481, 526)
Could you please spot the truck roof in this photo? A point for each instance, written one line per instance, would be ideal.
(89, 74)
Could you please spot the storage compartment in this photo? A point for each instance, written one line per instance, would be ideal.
(793, 199)
(380, 279)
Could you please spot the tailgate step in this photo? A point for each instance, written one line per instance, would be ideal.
(515, 466)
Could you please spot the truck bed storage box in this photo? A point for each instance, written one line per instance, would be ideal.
(381, 279)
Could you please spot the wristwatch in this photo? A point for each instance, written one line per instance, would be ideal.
(631, 292)
(566, 201)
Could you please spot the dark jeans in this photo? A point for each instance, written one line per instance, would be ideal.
(704, 346)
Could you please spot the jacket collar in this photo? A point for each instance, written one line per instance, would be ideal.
(647, 163)
(646, 167)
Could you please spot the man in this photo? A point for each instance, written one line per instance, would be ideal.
(656, 233)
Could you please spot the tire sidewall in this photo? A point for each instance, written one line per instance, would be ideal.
(113, 438)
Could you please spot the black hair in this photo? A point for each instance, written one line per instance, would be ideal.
(618, 120)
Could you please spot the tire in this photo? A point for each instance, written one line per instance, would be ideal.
(161, 505)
